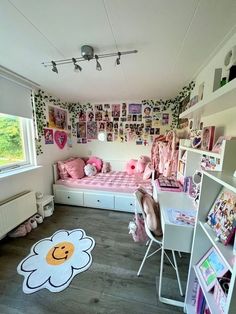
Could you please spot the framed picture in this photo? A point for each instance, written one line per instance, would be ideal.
(221, 216)
(210, 267)
(57, 117)
(218, 144)
(48, 135)
(207, 137)
(135, 108)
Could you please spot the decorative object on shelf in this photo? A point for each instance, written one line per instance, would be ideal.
(217, 79)
(223, 81)
(221, 289)
(190, 124)
(230, 58)
(200, 91)
(208, 133)
(218, 144)
(196, 138)
(222, 216)
(193, 100)
(60, 138)
(210, 267)
(210, 163)
(232, 73)
(87, 54)
(185, 104)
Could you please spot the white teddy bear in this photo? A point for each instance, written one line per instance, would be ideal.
(90, 170)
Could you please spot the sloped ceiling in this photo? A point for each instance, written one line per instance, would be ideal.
(174, 39)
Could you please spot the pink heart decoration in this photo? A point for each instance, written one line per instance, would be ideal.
(60, 138)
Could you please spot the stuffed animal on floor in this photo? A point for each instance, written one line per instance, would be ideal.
(131, 166)
(90, 170)
(142, 163)
(106, 167)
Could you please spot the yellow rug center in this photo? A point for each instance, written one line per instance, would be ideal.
(60, 253)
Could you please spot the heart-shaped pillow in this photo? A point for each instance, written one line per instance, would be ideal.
(60, 138)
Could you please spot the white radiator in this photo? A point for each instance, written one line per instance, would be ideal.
(15, 210)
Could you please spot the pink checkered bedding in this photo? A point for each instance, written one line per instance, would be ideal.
(114, 181)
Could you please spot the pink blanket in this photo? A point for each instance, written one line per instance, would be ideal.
(116, 181)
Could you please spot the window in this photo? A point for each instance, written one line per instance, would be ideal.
(16, 149)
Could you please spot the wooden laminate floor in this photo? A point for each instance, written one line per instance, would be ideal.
(109, 286)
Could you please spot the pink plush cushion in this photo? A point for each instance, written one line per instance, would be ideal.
(62, 169)
(75, 168)
(147, 172)
(95, 161)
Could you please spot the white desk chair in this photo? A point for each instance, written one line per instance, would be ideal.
(158, 240)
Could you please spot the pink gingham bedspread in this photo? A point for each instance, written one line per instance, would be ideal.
(115, 181)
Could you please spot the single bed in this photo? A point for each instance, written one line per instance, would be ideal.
(113, 190)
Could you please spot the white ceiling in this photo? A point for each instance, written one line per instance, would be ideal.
(174, 39)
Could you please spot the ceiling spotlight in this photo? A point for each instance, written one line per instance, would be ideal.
(77, 66)
(98, 65)
(118, 59)
(54, 67)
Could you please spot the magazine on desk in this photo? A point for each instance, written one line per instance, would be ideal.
(182, 217)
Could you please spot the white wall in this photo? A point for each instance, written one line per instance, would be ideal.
(224, 121)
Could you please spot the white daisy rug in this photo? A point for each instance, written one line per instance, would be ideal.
(53, 262)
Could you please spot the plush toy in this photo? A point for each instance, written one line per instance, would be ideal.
(95, 161)
(142, 162)
(131, 166)
(106, 167)
(90, 170)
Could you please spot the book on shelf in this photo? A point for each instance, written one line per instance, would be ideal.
(210, 267)
(221, 216)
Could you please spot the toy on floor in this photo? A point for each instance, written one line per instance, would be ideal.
(90, 170)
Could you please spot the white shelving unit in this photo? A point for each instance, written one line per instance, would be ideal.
(194, 156)
(204, 239)
(220, 100)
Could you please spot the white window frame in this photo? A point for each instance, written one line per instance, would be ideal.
(29, 149)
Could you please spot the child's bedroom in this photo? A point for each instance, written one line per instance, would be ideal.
(117, 156)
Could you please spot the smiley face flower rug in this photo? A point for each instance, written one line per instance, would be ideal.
(53, 262)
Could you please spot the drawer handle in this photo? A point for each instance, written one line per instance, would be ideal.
(98, 201)
(68, 196)
(131, 204)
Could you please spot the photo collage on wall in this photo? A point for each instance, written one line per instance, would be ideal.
(122, 123)
(58, 131)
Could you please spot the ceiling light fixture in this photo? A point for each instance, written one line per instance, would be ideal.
(54, 67)
(87, 54)
(98, 65)
(118, 59)
(77, 66)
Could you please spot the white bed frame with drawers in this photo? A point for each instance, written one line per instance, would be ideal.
(93, 198)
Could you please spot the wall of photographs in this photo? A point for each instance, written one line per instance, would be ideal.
(125, 122)
(61, 123)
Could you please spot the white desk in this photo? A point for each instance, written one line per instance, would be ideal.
(175, 237)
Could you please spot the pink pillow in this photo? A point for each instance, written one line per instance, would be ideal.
(148, 171)
(75, 168)
(95, 161)
(62, 169)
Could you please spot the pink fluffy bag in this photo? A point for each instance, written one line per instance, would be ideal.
(137, 229)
